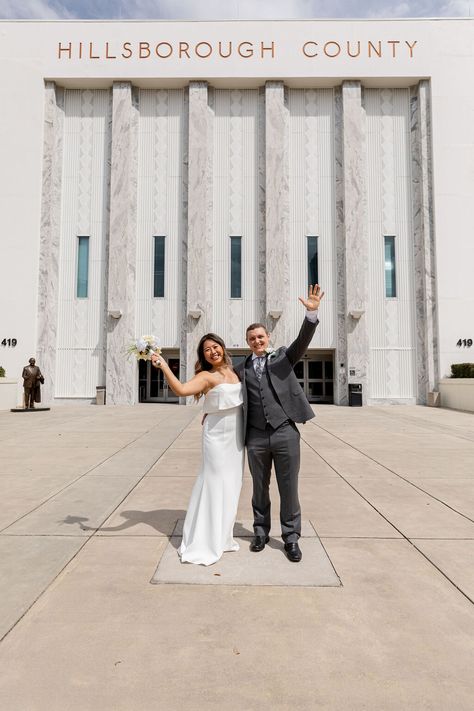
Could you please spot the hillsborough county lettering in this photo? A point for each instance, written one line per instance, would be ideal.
(263, 50)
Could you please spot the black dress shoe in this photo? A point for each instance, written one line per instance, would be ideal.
(293, 552)
(258, 543)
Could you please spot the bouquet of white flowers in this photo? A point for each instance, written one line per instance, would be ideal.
(143, 348)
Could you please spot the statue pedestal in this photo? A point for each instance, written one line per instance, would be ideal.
(29, 409)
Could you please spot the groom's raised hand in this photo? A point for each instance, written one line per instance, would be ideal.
(314, 298)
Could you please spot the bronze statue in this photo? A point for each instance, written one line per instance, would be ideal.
(32, 379)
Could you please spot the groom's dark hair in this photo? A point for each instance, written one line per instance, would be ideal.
(253, 326)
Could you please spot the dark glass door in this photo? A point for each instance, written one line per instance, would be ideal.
(315, 374)
(152, 383)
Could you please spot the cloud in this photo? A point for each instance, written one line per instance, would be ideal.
(286, 9)
(33, 10)
(231, 9)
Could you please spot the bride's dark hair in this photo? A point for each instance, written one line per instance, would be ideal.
(201, 363)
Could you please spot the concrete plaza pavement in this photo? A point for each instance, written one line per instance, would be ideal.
(91, 496)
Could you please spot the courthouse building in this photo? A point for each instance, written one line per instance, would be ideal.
(175, 178)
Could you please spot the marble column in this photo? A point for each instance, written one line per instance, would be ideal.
(122, 374)
(49, 236)
(277, 213)
(260, 314)
(340, 358)
(199, 240)
(352, 243)
(426, 316)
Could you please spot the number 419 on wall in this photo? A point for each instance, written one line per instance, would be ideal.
(9, 342)
(467, 342)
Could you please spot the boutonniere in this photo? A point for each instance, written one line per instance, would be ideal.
(271, 352)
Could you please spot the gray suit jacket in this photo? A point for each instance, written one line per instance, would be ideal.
(281, 375)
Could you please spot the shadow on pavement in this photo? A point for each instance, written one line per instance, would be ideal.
(158, 519)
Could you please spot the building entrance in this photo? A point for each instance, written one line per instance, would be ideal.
(315, 373)
(152, 384)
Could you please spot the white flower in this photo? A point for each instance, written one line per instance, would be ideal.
(153, 343)
(269, 350)
(143, 348)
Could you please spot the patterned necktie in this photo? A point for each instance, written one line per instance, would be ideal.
(259, 366)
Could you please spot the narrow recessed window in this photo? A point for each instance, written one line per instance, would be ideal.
(82, 267)
(159, 267)
(236, 267)
(390, 274)
(312, 260)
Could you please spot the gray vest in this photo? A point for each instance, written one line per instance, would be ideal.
(263, 406)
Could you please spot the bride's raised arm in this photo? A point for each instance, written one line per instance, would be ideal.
(197, 385)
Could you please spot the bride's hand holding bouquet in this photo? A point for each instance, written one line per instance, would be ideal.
(144, 347)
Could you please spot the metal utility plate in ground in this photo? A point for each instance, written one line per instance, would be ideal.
(269, 567)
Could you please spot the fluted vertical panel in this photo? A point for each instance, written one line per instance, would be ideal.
(312, 204)
(235, 209)
(354, 230)
(391, 320)
(159, 211)
(200, 275)
(277, 210)
(427, 350)
(80, 329)
(50, 236)
(122, 386)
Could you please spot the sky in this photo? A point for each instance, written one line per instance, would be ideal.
(228, 9)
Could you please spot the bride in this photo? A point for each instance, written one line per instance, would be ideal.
(209, 522)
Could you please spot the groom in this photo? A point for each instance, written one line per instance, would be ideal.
(273, 402)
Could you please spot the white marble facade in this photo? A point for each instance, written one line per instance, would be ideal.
(50, 236)
(74, 328)
(272, 165)
(391, 321)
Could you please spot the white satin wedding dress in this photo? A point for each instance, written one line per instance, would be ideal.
(209, 523)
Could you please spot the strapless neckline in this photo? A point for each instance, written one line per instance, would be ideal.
(232, 385)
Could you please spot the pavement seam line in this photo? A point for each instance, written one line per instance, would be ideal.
(445, 429)
(74, 481)
(399, 476)
(87, 539)
(42, 592)
(392, 524)
(141, 479)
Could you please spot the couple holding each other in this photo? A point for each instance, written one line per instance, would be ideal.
(257, 403)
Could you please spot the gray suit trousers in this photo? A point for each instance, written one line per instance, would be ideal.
(282, 447)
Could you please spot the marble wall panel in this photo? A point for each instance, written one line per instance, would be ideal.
(277, 210)
(341, 355)
(261, 210)
(199, 219)
(159, 211)
(427, 343)
(84, 211)
(312, 208)
(355, 232)
(183, 231)
(391, 319)
(50, 236)
(235, 210)
(122, 374)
